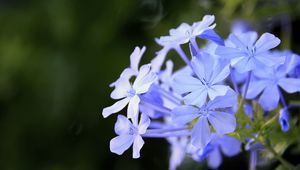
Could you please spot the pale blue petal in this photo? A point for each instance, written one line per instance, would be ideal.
(118, 106)
(269, 98)
(220, 74)
(121, 143)
(184, 114)
(197, 97)
(122, 125)
(135, 57)
(228, 52)
(269, 59)
(230, 146)
(212, 36)
(122, 86)
(158, 61)
(290, 85)
(217, 90)
(222, 122)
(137, 146)
(133, 107)
(256, 87)
(185, 83)
(201, 133)
(266, 42)
(144, 123)
(245, 64)
(229, 100)
(198, 67)
(214, 159)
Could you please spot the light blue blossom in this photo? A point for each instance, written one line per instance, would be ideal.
(212, 112)
(133, 70)
(129, 133)
(268, 81)
(246, 53)
(206, 83)
(129, 94)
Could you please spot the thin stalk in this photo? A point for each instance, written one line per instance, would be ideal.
(183, 56)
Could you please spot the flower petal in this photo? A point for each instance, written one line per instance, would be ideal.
(122, 125)
(184, 114)
(290, 85)
(122, 86)
(212, 36)
(197, 97)
(144, 123)
(133, 107)
(266, 42)
(230, 146)
(269, 98)
(135, 57)
(217, 90)
(222, 122)
(201, 133)
(214, 159)
(137, 146)
(121, 143)
(229, 100)
(284, 118)
(118, 106)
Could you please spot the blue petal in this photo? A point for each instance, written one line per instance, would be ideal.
(269, 98)
(290, 85)
(229, 52)
(118, 106)
(284, 119)
(222, 122)
(122, 125)
(256, 87)
(197, 97)
(137, 146)
(214, 159)
(213, 36)
(217, 90)
(184, 114)
(201, 133)
(230, 146)
(266, 42)
(229, 100)
(120, 144)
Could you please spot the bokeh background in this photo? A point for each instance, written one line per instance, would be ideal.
(57, 58)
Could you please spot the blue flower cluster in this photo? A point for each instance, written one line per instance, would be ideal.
(194, 108)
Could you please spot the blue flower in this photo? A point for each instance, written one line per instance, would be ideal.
(284, 118)
(207, 82)
(129, 133)
(129, 94)
(246, 53)
(133, 70)
(213, 112)
(229, 147)
(267, 82)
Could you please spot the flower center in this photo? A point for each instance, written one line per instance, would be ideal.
(131, 93)
(251, 51)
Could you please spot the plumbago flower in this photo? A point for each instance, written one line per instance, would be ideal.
(195, 107)
(269, 81)
(206, 82)
(229, 146)
(213, 112)
(133, 70)
(129, 133)
(184, 34)
(246, 53)
(129, 94)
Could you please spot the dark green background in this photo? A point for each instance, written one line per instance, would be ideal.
(57, 58)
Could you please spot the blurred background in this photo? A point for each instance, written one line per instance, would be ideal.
(57, 58)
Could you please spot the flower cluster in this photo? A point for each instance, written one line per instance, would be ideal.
(197, 108)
